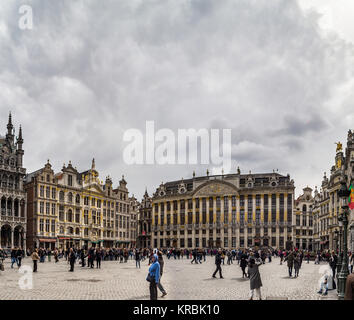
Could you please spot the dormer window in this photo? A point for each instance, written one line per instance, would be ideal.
(70, 180)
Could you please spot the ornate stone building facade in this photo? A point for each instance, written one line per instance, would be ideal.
(12, 194)
(229, 211)
(144, 222)
(133, 220)
(76, 209)
(327, 208)
(303, 224)
(349, 173)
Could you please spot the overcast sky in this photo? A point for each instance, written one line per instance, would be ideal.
(279, 73)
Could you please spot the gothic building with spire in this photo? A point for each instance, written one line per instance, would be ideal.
(12, 194)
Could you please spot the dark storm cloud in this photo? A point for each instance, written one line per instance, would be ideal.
(89, 70)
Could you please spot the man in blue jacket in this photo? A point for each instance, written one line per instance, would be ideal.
(154, 272)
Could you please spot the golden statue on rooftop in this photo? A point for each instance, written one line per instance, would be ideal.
(339, 146)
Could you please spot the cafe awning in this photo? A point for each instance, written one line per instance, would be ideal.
(47, 240)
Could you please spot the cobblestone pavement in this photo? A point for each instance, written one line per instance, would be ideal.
(181, 279)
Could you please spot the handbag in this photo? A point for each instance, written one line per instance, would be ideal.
(150, 278)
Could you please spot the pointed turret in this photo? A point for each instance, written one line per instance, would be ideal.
(10, 136)
(19, 151)
(9, 125)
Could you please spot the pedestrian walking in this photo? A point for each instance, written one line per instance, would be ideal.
(72, 259)
(333, 264)
(154, 276)
(243, 264)
(35, 258)
(297, 264)
(159, 285)
(218, 265)
(137, 258)
(98, 258)
(13, 257)
(255, 278)
(19, 255)
(290, 259)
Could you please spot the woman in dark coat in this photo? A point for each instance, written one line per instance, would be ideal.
(255, 278)
(297, 264)
(243, 264)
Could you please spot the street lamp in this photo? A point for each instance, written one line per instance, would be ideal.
(343, 194)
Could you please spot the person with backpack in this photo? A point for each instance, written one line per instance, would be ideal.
(154, 276)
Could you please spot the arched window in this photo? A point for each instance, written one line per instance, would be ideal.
(304, 208)
(77, 231)
(70, 230)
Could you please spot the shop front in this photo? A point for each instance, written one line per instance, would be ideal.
(65, 243)
(46, 243)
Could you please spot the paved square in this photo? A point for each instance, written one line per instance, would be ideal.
(181, 279)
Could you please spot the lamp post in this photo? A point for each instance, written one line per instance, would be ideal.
(343, 195)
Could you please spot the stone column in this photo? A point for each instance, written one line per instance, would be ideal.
(245, 227)
(277, 220)
(24, 241)
(12, 237)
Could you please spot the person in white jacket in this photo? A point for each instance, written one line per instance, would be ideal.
(326, 280)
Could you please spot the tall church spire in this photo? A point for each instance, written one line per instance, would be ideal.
(10, 128)
(9, 125)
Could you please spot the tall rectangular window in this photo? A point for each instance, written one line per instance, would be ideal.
(242, 200)
(281, 207)
(290, 207)
(233, 216)
(242, 216)
(249, 208)
(70, 180)
(274, 208)
(233, 201)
